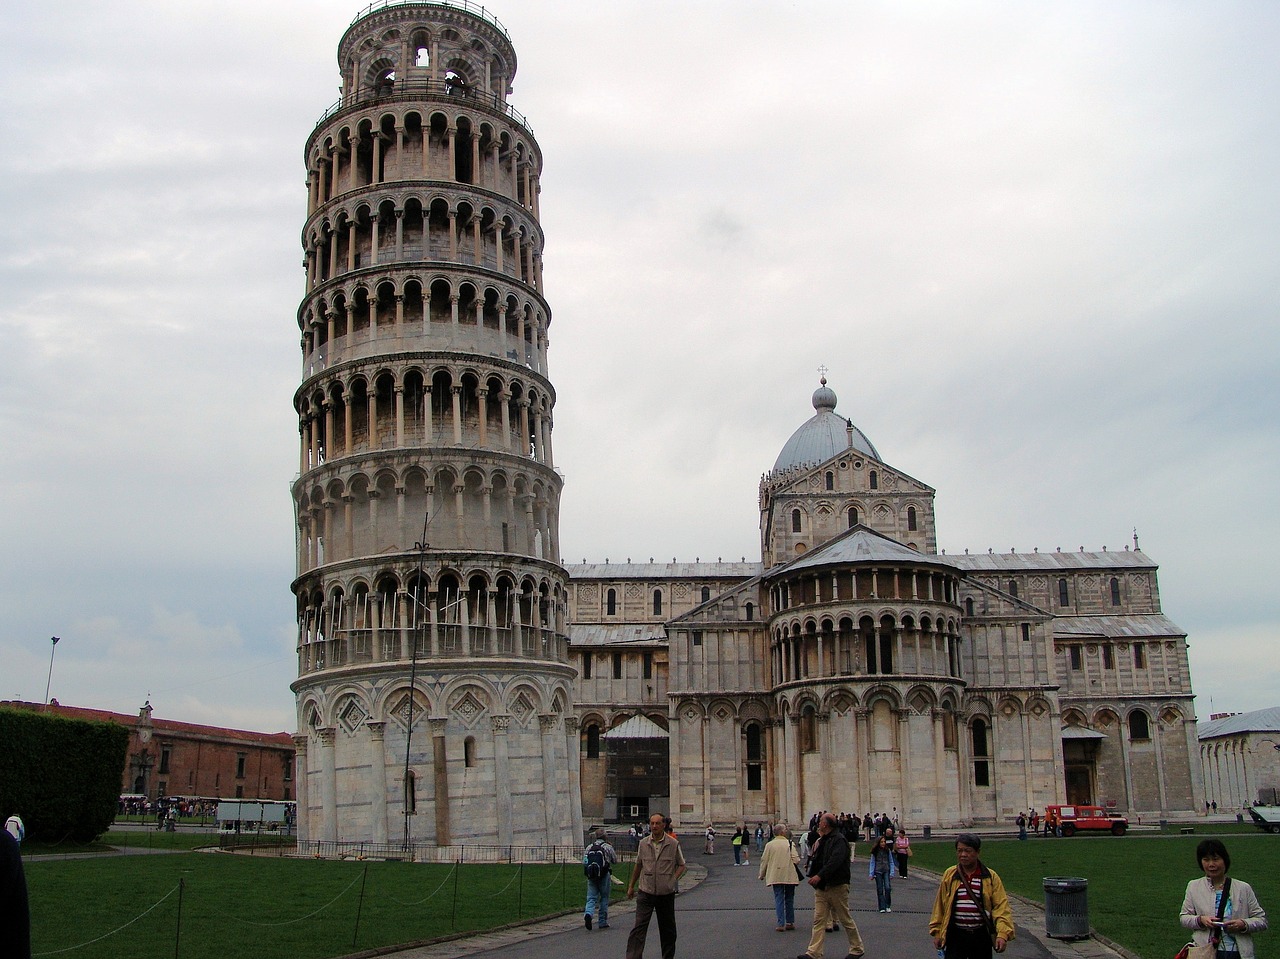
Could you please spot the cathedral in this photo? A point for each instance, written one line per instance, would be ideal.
(854, 668)
(459, 684)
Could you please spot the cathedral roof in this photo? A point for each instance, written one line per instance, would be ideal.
(1135, 625)
(1259, 721)
(637, 727)
(612, 634)
(822, 436)
(861, 545)
(1057, 560)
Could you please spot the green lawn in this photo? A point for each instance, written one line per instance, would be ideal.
(268, 907)
(1136, 883)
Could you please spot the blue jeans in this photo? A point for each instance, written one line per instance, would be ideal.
(737, 854)
(784, 903)
(884, 891)
(598, 896)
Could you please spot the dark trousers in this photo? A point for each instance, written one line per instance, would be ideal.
(646, 906)
(902, 864)
(967, 943)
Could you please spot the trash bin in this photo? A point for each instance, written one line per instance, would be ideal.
(1066, 907)
(928, 831)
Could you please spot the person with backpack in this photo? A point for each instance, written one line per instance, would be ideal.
(597, 864)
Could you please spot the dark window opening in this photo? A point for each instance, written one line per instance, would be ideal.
(164, 759)
(1108, 657)
(911, 517)
(1139, 726)
(1026, 632)
(617, 665)
(968, 607)
(1139, 656)
(411, 793)
(1115, 591)
(754, 778)
(981, 772)
(831, 480)
(751, 612)
(1077, 659)
(469, 752)
(697, 637)
(875, 480)
(593, 742)
(647, 665)
(706, 593)
(586, 665)
(795, 521)
(1063, 596)
(657, 602)
(611, 603)
(239, 792)
(239, 767)
(853, 516)
(1013, 587)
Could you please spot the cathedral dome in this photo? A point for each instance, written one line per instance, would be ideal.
(823, 436)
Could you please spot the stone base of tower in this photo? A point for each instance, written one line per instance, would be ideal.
(478, 758)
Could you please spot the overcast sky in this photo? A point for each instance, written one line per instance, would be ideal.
(1031, 242)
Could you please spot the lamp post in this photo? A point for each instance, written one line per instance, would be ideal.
(52, 649)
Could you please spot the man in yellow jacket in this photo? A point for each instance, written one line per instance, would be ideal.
(971, 913)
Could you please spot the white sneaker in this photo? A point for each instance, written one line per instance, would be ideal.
(888, 910)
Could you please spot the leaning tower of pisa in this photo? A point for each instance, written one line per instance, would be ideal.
(434, 689)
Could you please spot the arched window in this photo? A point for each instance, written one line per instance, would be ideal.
(911, 517)
(795, 521)
(1063, 596)
(1013, 587)
(611, 603)
(809, 730)
(1139, 656)
(853, 516)
(751, 612)
(981, 753)
(831, 480)
(593, 741)
(968, 606)
(410, 793)
(469, 751)
(1139, 725)
(875, 480)
(706, 593)
(1115, 591)
(657, 602)
(755, 757)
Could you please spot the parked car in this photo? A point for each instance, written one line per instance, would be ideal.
(1266, 818)
(1075, 819)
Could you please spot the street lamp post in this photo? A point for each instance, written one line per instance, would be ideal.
(52, 649)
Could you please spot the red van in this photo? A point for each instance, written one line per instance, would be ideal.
(1080, 818)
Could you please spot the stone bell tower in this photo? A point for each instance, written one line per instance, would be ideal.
(434, 688)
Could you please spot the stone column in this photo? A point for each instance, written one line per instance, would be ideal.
(300, 774)
(482, 395)
(328, 785)
(440, 767)
(862, 743)
(378, 780)
(552, 774)
(573, 750)
(502, 777)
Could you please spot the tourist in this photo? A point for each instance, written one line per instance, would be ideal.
(780, 870)
(709, 848)
(882, 868)
(736, 842)
(829, 876)
(971, 913)
(902, 851)
(659, 866)
(15, 914)
(1221, 911)
(597, 861)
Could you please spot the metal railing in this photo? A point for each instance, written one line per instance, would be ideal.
(430, 852)
(472, 8)
(419, 88)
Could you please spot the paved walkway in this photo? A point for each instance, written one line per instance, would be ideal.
(724, 912)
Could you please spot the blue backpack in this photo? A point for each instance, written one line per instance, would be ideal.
(595, 863)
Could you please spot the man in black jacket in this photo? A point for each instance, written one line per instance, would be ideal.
(829, 877)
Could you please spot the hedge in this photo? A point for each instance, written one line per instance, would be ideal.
(62, 776)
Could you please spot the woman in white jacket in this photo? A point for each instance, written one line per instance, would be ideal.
(1242, 916)
(778, 867)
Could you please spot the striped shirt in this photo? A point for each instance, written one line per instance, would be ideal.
(965, 913)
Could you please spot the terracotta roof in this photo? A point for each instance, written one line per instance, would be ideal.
(159, 726)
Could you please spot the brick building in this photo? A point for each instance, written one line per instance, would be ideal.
(170, 758)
